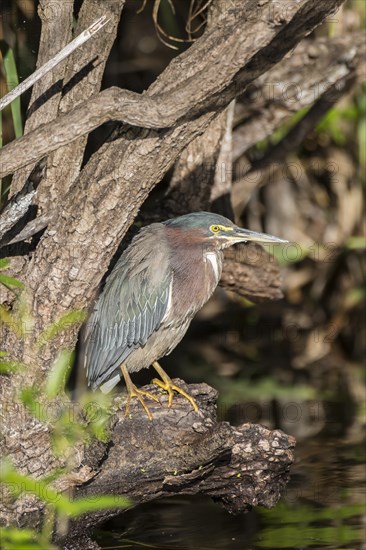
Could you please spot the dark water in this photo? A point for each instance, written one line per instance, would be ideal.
(323, 506)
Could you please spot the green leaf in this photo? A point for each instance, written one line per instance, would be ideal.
(354, 297)
(29, 396)
(89, 504)
(4, 263)
(23, 539)
(23, 314)
(10, 320)
(8, 367)
(97, 408)
(66, 321)
(12, 81)
(58, 374)
(354, 243)
(10, 281)
(19, 484)
(362, 145)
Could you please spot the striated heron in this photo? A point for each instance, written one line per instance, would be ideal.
(161, 280)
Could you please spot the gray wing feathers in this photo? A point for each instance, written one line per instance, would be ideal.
(131, 307)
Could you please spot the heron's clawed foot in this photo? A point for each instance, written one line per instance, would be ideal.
(167, 384)
(134, 392)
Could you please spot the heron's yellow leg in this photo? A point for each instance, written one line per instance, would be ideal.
(166, 383)
(133, 391)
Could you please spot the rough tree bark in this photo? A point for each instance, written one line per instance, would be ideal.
(184, 118)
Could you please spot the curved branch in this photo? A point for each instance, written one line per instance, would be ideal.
(192, 84)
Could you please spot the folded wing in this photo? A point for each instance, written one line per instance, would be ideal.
(131, 307)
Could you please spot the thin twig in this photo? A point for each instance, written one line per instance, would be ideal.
(160, 31)
(47, 67)
(193, 15)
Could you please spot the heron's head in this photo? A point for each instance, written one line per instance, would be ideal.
(213, 229)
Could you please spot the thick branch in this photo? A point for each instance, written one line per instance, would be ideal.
(182, 452)
(191, 85)
(251, 272)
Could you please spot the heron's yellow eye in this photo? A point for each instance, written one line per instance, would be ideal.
(215, 228)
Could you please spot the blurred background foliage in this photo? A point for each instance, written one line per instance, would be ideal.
(297, 364)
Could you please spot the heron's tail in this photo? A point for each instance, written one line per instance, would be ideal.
(109, 385)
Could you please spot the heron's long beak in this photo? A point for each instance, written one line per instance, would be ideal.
(244, 235)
